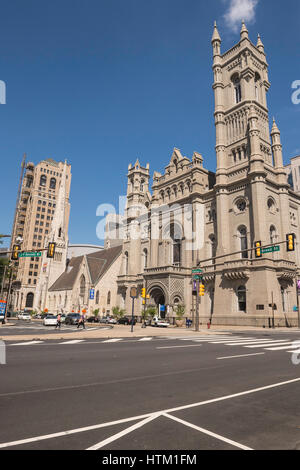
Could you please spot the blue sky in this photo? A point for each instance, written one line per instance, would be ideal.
(104, 82)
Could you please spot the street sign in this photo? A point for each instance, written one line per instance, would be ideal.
(197, 271)
(133, 293)
(30, 254)
(271, 249)
(197, 278)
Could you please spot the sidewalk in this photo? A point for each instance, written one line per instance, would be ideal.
(122, 331)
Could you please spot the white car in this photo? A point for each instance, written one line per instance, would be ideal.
(50, 320)
(160, 322)
(24, 316)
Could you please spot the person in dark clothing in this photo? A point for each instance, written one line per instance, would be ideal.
(58, 324)
(81, 322)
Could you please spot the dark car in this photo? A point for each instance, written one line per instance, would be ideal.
(72, 319)
(126, 321)
(93, 319)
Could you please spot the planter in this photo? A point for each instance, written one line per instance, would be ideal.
(179, 323)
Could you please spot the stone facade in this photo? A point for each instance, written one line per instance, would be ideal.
(193, 215)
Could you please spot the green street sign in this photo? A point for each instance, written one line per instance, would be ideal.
(271, 249)
(197, 271)
(30, 254)
(197, 278)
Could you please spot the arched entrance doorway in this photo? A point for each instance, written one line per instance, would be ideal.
(158, 297)
(29, 300)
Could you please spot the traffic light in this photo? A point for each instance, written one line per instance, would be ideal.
(51, 250)
(290, 242)
(143, 293)
(201, 290)
(15, 252)
(258, 251)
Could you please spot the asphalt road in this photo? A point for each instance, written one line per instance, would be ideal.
(159, 394)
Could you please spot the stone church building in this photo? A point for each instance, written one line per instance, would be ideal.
(192, 215)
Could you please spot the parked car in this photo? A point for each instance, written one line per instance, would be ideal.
(103, 320)
(24, 316)
(63, 317)
(111, 321)
(93, 319)
(126, 321)
(72, 319)
(50, 320)
(160, 322)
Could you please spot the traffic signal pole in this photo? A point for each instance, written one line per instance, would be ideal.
(197, 305)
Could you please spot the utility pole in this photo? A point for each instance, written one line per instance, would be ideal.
(8, 295)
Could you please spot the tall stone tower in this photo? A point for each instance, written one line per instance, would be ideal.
(53, 268)
(251, 188)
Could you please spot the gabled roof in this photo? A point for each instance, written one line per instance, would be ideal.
(98, 263)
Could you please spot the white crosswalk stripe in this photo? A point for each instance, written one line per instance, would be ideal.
(27, 343)
(114, 340)
(74, 341)
(146, 339)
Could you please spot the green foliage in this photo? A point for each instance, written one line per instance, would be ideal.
(96, 312)
(180, 311)
(118, 313)
(151, 311)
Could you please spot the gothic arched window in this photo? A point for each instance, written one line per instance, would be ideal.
(82, 285)
(97, 297)
(108, 298)
(237, 88)
(52, 183)
(145, 254)
(176, 236)
(43, 180)
(126, 262)
(242, 299)
(242, 233)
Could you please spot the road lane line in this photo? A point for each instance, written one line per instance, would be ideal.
(266, 345)
(114, 340)
(27, 343)
(256, 344)
(135, 418)
(243, 355)
(205, 431)
(117, 436)
(145, 339)
(174, 347)
(74, 341)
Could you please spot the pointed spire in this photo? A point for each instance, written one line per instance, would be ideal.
(259, 44)
(137, 163)
(216, 36)
(244, 31)
(275, 129)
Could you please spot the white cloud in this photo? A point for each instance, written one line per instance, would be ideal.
(239, 10)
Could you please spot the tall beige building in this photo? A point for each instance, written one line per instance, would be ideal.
(38, 207)
(192, 215)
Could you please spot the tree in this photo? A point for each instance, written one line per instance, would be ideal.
(151, 311)
(180, 311)
(96, 312)
(118, 313)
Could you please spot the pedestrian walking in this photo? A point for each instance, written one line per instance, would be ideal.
(81, 322)
(58, 321)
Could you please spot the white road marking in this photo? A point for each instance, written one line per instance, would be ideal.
(287, 346)
(243, 355)
(174, 347)
(123, 433)
(145, 339)
(266, 345)
(205, 431)
(135, 418)
(26, 343)
(74, 341)
(296, 352)
(237, 341)
(114, 340)
(258, 343)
